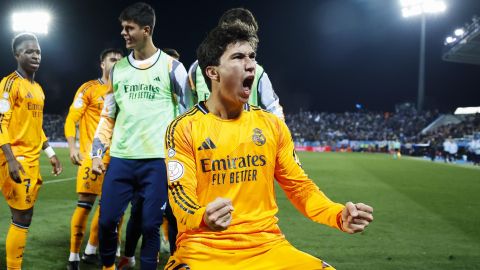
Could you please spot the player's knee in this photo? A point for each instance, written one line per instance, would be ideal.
(22, 217)
(150, 228)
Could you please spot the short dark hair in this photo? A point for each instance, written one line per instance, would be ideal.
(172, 52)
(140, 13)
(105, 52)
(217, 41)
(20, 38)
(238, 14)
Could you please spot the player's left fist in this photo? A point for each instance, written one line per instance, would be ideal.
(356, 217)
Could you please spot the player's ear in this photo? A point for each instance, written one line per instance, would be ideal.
(147, 30)
(212, 73)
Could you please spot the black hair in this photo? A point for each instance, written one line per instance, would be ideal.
(214, 45)
(238, 14)
(20, 38)
(105, 52)
(140, 13)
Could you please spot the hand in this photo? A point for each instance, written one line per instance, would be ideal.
(56, 166)
(14, 169)
(218, 214)
(97, 166)
(75, 157)
(356, 217)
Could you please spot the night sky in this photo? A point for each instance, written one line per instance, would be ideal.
(322, 55)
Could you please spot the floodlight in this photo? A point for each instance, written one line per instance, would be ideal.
(35, 22)
(450, 39)
(417, 7)
(459, 32)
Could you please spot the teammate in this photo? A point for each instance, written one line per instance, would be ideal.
(134, 225)
(146, 93)
(21, 139)
(223, 156)
(262, 94)
(85, 111)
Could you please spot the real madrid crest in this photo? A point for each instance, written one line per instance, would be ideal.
(258, 138)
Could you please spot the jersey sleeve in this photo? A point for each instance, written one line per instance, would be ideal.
(8, 95)
(192, 81)
(300, 190)
(180, 86)
(182, 181)
(104, 131)
(76, 111)
(268, 97)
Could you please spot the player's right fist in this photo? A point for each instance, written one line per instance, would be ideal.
(218, 214)
(97, 166)
(14, 169)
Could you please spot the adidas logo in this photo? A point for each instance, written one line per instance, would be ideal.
(29, 95)
(207, 144)
(157, 79)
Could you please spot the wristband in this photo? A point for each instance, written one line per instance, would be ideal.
(49, 152)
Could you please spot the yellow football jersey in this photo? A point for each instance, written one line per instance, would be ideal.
(85, 110)
(21, 116)
(239, 159)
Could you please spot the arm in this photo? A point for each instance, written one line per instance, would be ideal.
(307, 197)
(182, 181)
(14, 167)
(75, 113)
(104, 132)
(180, 86)
(192, 80)
(268, 97)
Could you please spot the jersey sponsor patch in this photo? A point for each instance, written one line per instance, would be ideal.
(4, 105)
(175, 170)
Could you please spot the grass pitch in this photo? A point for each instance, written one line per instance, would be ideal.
(426, 214)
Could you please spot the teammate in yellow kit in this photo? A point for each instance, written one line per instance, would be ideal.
(85, 111)
(223, 157)
(21, 139)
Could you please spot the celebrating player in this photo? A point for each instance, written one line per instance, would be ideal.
(223, 156)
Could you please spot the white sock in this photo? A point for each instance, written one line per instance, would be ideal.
(74, 257)
(89, 249)
(118, 251)
(131, 260)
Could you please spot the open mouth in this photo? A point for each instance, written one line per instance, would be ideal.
(248, 82)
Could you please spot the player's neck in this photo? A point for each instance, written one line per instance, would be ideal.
(25, 74)
(146, 51)
(221, 109)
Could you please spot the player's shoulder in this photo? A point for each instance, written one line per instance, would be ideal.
(11, 78)
(89, 84)
(193, 114)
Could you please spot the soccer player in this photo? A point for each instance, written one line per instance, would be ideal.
(262, 94)
(223, 157)
(21, 139)
(85, 111)
(145, 94)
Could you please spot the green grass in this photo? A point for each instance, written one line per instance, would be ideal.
(426, 215)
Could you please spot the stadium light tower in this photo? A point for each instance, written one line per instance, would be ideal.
(34, 21)
(421, 8)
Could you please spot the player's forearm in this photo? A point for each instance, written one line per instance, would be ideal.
(7, 151)
(71, 143)
(103, 136)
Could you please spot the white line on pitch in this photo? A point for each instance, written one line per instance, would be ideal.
(59, 180)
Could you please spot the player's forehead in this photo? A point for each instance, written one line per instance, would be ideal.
(113, 56)
(242, 47)
(130, 23)
(28, 45)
